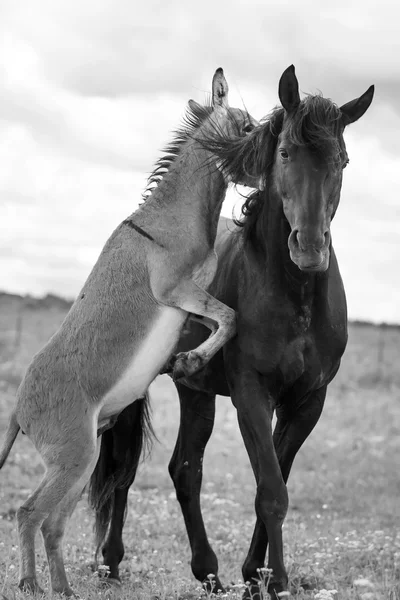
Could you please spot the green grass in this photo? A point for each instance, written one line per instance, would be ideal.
(342, 530)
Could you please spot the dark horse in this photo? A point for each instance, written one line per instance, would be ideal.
(278, 270)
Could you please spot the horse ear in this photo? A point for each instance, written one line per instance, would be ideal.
(289, 90)
(220, 89)
(355, 109)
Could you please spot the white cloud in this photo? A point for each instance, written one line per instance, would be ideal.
(90, 91)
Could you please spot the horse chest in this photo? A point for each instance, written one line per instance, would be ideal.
(310, 359)
(295, 354)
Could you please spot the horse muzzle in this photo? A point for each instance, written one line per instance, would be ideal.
(309, 255)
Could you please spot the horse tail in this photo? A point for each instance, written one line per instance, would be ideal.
(11, 433)
(120, 451)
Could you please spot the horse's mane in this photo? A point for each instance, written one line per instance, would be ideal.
(194, 117)
(316, 123)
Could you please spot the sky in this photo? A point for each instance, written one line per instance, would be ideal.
(90, 92)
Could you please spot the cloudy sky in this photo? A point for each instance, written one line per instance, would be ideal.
(91, 89)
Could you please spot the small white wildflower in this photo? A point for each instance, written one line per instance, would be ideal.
(211, 576)
(103, 569)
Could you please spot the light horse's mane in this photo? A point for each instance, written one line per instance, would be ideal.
(316, 123)
(194, 117)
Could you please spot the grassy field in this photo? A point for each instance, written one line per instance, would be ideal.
(342, 531)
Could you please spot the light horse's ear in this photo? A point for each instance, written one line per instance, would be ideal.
(289, 90)
(220, 89)
(353, 110)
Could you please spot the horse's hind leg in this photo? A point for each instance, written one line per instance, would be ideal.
(121, 449)
(186, 469)
(53, 528)
(113, 549)
(64, 470)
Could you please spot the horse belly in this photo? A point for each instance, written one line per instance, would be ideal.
(146, 363)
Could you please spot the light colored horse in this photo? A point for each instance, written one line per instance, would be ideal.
(124, 327)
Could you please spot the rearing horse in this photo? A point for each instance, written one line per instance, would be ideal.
(278, 270)
(123, 328)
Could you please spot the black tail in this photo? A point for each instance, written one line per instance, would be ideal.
(120, 451)
(11, 433)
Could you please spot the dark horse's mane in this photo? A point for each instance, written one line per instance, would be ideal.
(316, 123)
(194, 117)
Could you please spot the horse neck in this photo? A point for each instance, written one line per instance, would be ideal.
(190, 193)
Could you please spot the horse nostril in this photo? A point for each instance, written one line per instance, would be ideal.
(294, 238)
(327, 238)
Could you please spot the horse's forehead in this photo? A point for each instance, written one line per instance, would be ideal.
(328, 154)
(284, 138)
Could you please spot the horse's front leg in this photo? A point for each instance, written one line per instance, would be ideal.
(295, 421)
(255, 408)
(186, 470)
(190, 297)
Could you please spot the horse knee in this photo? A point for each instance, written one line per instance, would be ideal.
(272, 506)
(52, 536)
(25, 518)
(180, 476)
(186, 477)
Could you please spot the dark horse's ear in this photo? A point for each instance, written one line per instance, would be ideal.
(289, 90)
(355, 109)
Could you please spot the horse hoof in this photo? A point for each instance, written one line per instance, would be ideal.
(276, 589)
(186, 364)
(30, 586)
(213, 585)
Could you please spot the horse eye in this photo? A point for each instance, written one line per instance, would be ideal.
(345, 163)
(248, 128)
(283, 154)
